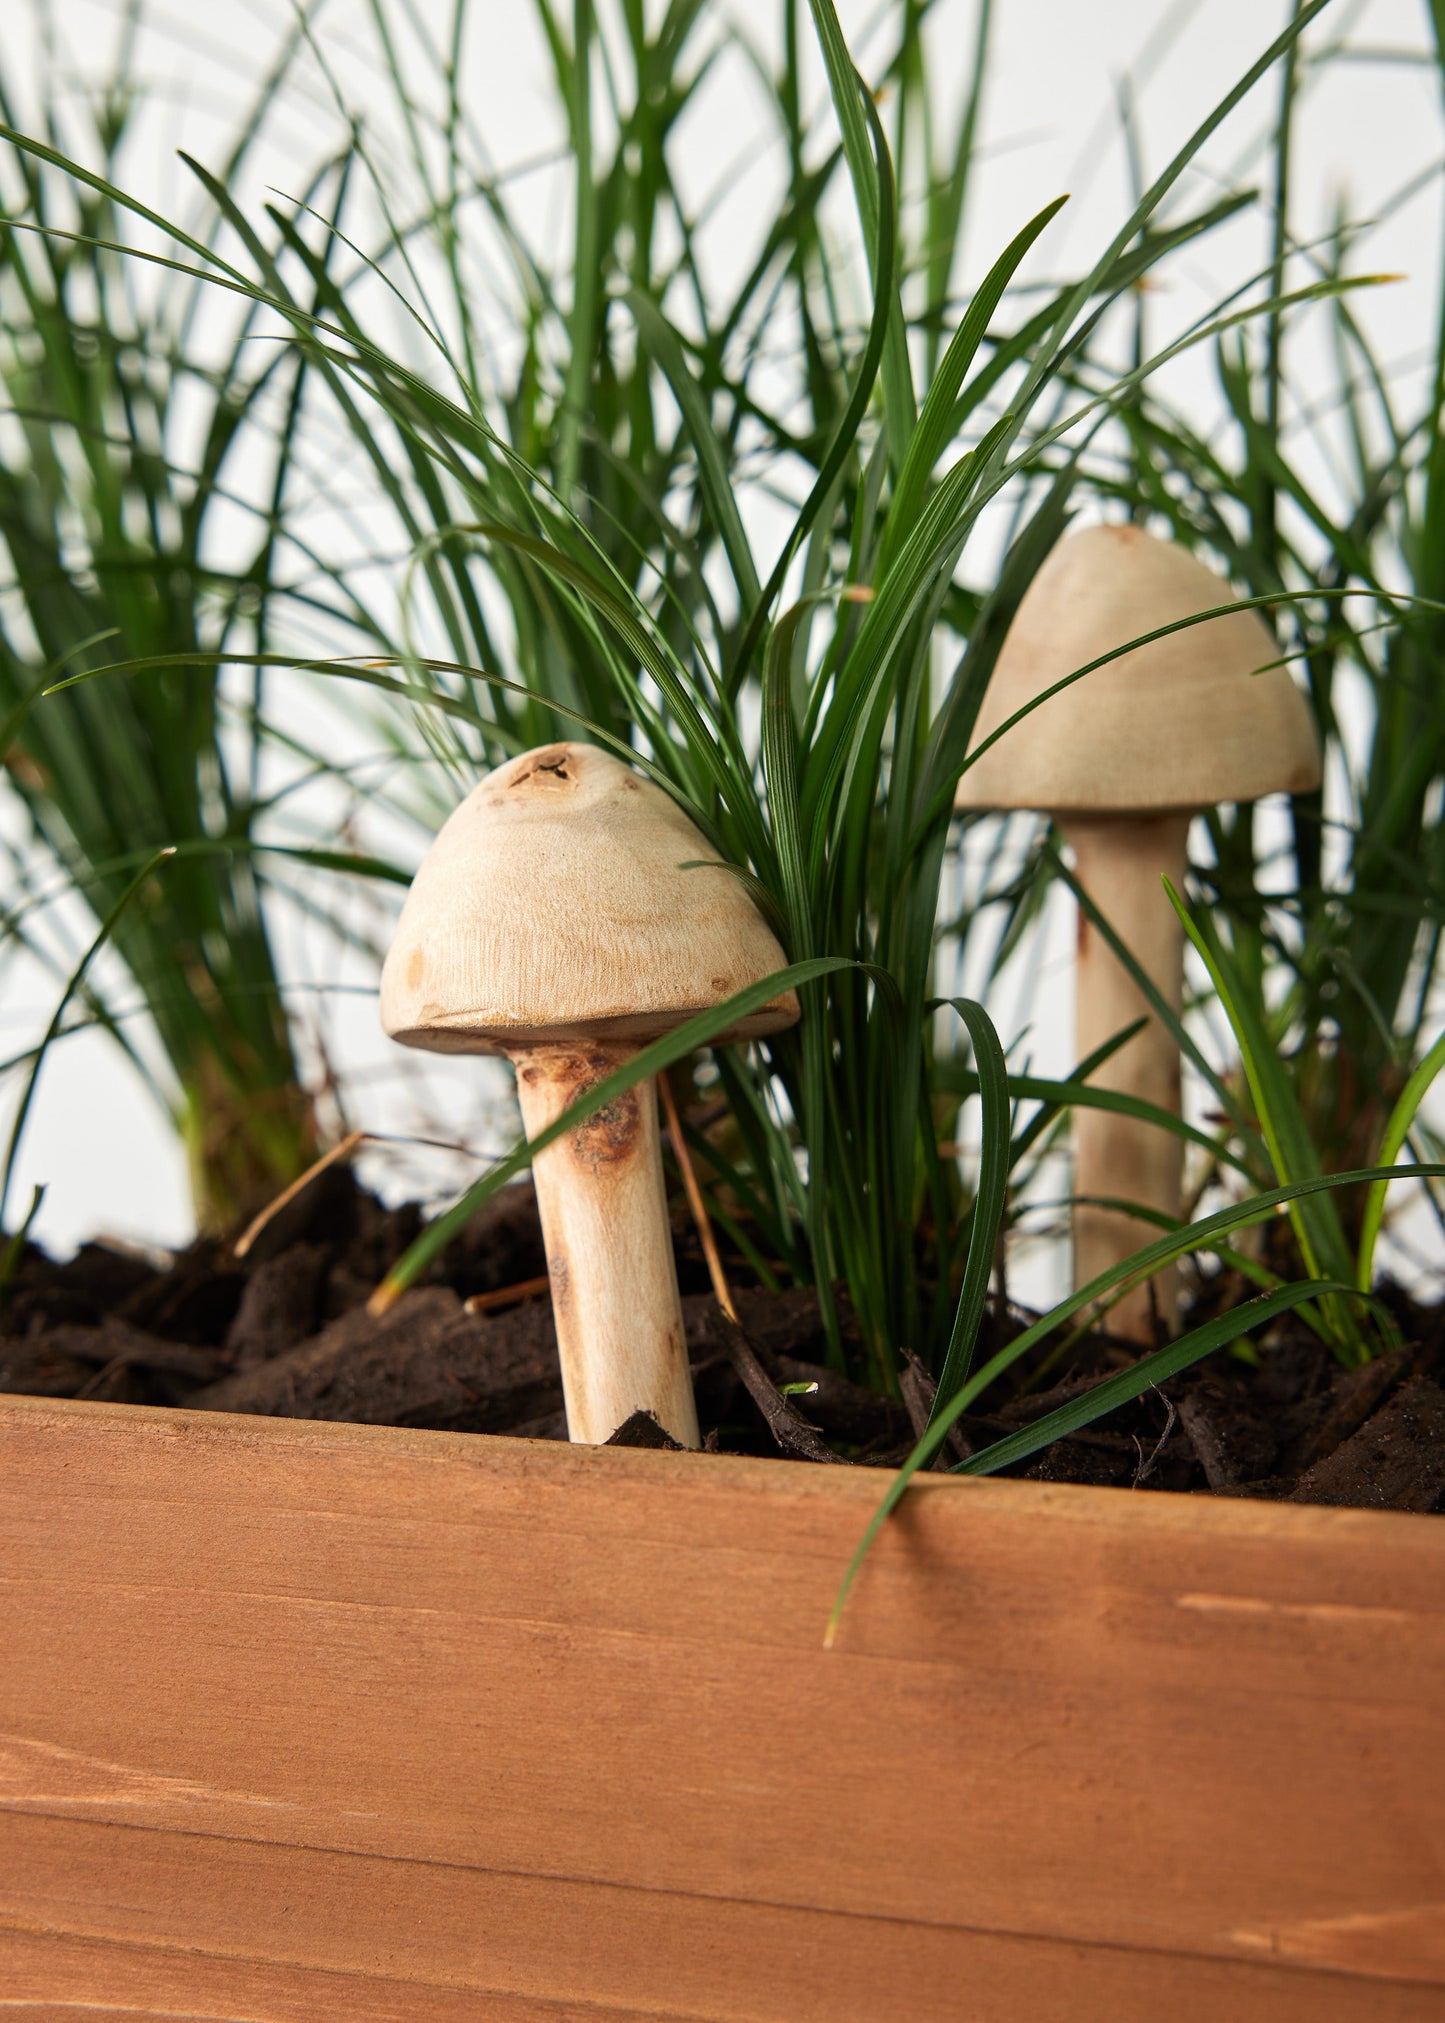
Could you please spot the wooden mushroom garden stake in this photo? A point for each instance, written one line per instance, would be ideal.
(552, 921)
(1122, 759)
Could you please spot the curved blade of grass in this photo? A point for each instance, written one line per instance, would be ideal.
(15, 1248)
(761, 897)
(1090, 1065)
(1047, 358)
(845, 435)
(1172, 1023)
(77, 978)
(935, 421)
(1101, 1398)
(367, 668)
(1125, 1385)
(1143, 1264)
(1291, 1149)
(1402, 1117)
(992, 1193)
(13, 721)
(1271, 601)
(100, 869)
(650, 1060)
(1077, 1094)
(666, 347)
(853, 103)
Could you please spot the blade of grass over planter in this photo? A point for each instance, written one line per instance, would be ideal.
(1316, 1224)
(1190, 1348)
(989, 1202)
(1178, 1243)
(14, 1248)
(92, 378)
(1152, 1369)
(1402, 1121)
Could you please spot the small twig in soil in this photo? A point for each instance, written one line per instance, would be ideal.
(342, 1150)
(789, 1428)
(1156, 1317)
(1207, 1444)
(919, 1392)
(1146, 1468)
(338, 1152)
(506, 1295)
(102, 1375)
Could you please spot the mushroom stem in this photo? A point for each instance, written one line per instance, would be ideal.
(609, 1246)
(1120, 861)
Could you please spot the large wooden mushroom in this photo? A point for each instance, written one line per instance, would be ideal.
(551, 921)
(1122, 759)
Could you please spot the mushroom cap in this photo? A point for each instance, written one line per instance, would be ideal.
(1181, 723)
(552, 909)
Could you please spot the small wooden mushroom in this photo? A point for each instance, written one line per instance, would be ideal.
(1122, 759)
(551, 921)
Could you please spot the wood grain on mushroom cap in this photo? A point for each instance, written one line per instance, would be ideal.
(1182, 723)
(553, 907)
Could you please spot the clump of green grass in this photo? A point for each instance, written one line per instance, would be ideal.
(106, 519)
(1323, 954)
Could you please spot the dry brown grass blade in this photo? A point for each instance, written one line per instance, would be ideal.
(343, 1149)
(695, 1202)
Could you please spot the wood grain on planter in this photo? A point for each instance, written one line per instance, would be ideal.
(306, 1721)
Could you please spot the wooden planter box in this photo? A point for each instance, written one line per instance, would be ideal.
(308, 1722)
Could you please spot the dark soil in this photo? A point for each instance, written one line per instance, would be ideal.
(285, 1332)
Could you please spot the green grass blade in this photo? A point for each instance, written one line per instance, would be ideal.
(1402, 1119)
(1285, 1133)
(77, 978)
(15, 1246)
(936, 426)
(1190, 1237)
(1143, 1264)
(844, 436)
(1074, 1093)
(989, 1202)
(1126, 1385)
(853, 103)
(665, 345)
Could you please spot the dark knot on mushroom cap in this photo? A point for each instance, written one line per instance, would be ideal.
(554, 906)
(1194, 718)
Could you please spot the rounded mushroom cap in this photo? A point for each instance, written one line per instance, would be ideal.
(552, 908)
(1181, 723)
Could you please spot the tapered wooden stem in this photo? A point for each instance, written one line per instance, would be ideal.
(609, 1247)
(1120, 861)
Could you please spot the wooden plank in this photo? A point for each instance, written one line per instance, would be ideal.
(53, 1978)
(281, 1935)
(569, 1708)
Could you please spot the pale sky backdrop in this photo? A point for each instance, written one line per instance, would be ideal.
(1060, 71)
